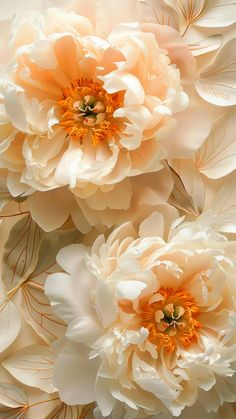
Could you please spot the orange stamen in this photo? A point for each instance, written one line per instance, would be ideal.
(177, 326)
(87, 110)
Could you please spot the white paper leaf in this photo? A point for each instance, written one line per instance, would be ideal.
(200, 44)
(12, 395)
(38, 312)
(14, 403)
(9, 324)
(164, 15)
(5, 195)
(20, 252)
(205, 13)
(192, 182)
(35, 304)
(217, 156)
(32, 366)
(217, 83)
(221, 212)
(217, 13)
(185, 189)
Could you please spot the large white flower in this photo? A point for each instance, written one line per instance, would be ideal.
(151, 322)
(82, 107)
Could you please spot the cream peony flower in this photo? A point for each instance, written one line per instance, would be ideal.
(86, 107)
(132, 199)
(227, 411)
(151, 323)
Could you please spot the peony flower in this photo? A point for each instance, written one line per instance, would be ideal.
(132, 199)
(150, 322)
(227, 411)
(86, 106)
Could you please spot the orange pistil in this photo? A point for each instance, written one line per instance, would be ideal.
(171, 321)
(87, 109)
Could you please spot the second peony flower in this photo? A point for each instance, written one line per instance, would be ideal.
(150, 322)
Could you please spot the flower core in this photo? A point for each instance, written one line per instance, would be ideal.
(87, 110)
(170, 316)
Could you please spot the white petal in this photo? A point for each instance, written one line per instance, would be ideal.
(59, 289)
(152, 226)
(72, 258)
(51, 209)
(105, 304)
(130, 289)
(114, 82)
(15, 108)
(75, 375)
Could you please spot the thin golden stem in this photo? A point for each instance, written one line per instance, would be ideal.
(17, 214)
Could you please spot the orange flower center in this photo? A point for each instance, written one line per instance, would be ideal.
(87, 111)
(171, 318)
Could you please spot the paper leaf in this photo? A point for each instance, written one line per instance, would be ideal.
(217, 13)
(180, 198)
(200, 44)
(205, 13)
(163, 14)
(222, 209)
(192, 182)
(217, 156)
(9, 413)
(5, 195)
(15, 405)
(38, 312)
(217, 83)
(12, 396)
(32, 366)
(20, 252)
(35, 304)
(9, 324)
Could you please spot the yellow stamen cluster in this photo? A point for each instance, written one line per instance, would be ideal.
(171, 319)
(87, 111)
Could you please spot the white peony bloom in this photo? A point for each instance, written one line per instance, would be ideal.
(84, 107)
(151, 323)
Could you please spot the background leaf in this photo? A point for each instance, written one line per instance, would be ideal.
(35, 304)
(220, 213)
(32, 366)
(5, 195)
(10, 324)
(201, 44)
(185, 190)
(205, 13)
(12, 395)
(217, 156)
(15, 404)
(217, 83)
(20, 252)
